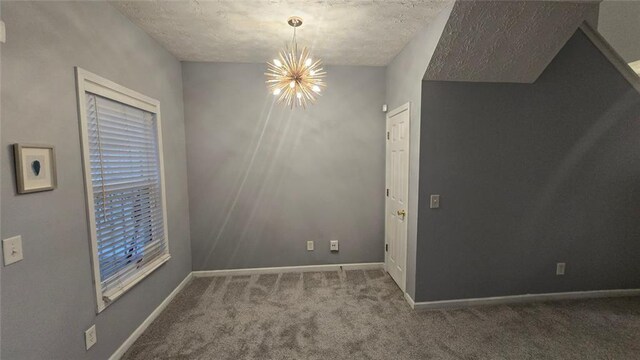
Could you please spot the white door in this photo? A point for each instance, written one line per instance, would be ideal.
(397, 193)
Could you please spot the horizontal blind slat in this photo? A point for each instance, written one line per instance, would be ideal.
(125, 253)
(109, 226)
(128, 273)
(122, 215)
(146, 254)
(120, 191)
(112, 177)
(106, 138)
(125, 166)
(120, 229)
(126, 200)
(131, 148)
(119, 241)
(114, 158)
(116, 107)
(123, 128)
(123, 185)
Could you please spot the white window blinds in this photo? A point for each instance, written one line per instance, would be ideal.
(127, 192)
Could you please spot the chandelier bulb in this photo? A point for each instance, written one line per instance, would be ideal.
(308, 62)
(316, 88)
(292, 84)
(277, 63)
(299, 95)
(277, 91)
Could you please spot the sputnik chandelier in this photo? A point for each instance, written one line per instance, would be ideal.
(294, 77)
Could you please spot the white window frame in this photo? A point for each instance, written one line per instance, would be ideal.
(88, 82)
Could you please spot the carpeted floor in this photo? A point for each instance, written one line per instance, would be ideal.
(362, 315)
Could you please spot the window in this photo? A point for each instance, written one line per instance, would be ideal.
(124, 181)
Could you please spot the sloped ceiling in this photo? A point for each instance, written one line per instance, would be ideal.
(505, 41)
(341, 32)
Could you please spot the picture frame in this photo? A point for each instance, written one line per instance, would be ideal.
(35, 167)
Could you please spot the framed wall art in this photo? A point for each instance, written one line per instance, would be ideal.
(35, 167)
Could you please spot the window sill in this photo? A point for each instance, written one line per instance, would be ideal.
(112, 295)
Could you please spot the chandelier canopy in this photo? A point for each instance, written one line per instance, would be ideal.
(294, 77)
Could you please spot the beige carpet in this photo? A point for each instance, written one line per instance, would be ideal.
(362, 315)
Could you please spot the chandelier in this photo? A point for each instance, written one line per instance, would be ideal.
(294, 77)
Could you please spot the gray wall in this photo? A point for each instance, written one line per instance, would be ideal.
(619, 23)
(530, 175)
(403, 84)
(48, 298)
(264, 179)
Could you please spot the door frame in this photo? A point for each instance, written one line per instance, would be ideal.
(404, 107)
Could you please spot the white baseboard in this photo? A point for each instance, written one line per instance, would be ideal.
(145, 324)
(284, 269)
(410, 300)
(514, 299)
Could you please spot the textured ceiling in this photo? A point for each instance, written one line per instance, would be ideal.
(505, 41)
(341, 32)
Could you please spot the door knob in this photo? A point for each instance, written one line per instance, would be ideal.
(401, 213)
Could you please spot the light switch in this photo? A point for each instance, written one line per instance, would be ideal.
(12, 250)
(435, 201)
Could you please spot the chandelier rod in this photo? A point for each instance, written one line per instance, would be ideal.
(294, 22)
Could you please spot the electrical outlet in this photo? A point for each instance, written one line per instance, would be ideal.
(309, 245)
(90, 337)
(334, 245)
(560, 268)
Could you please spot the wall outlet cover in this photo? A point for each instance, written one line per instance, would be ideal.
(90, 337)
(334, 245)
(560, 268)
(434, 201)
(12, 250)
(310, 245)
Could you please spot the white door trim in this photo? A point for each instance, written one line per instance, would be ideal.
(399, 109)
(404, 107)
